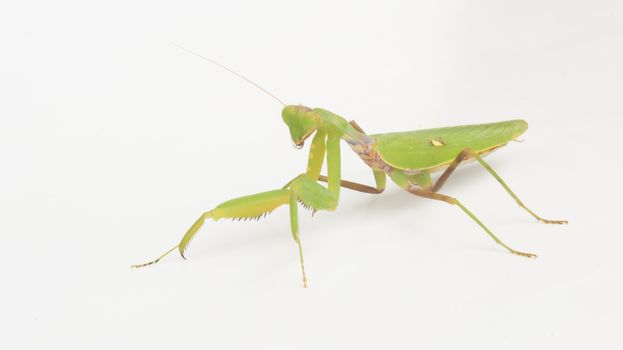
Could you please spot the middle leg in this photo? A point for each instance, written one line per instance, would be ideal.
(379, 178)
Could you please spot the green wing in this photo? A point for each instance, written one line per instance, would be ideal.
(432, 148)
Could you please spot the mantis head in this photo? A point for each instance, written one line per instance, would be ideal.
(302, 122)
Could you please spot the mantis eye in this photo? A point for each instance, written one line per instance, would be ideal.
(300, 145)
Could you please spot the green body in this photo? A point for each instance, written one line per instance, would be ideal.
(407, 158)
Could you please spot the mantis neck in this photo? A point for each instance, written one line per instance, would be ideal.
(338, 125)
(354, 137)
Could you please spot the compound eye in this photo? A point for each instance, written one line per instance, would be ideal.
(300, 145)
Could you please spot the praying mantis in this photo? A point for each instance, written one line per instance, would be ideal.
(407, 158)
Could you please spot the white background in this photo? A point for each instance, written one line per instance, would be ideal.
(113, 141)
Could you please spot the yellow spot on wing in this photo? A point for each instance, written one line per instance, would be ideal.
(436, 143)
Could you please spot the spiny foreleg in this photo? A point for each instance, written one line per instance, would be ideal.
(302, 189)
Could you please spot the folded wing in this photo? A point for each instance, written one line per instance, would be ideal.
(434, 148)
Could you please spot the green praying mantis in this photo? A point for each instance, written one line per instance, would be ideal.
(407, 158)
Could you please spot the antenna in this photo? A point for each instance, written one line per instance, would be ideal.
(229, 70)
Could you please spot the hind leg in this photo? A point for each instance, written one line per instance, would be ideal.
(402, 180)
(454, 201)
(467, 154)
